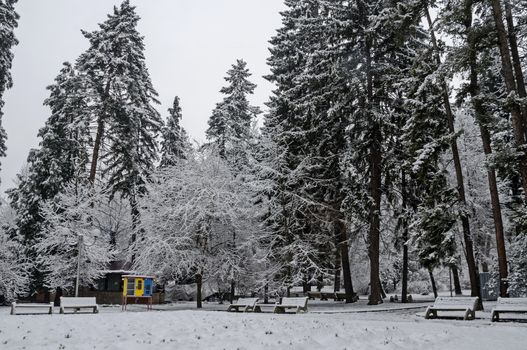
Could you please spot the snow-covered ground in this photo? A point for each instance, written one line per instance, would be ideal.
(328, 325)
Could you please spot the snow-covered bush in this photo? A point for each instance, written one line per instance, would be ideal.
(14, 266)
(198, 220)
(74, 216)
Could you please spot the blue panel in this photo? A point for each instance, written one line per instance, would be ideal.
(148, 287)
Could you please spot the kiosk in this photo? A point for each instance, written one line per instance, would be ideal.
(137, 288)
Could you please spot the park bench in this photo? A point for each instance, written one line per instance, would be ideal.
(466, 304)
(31, 306)
(321, 295)
(246, 304)
(78, 303)
(340, 296)
(299, 304)
(509, 305)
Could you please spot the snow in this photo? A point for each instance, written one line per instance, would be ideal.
(179, 327)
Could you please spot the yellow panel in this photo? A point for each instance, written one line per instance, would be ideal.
(125, 283)
(139, 287)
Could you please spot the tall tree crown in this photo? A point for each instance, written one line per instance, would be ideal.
(230, 124)
(8, 23)
(175, 143)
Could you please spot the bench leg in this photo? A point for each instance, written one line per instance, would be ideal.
(61, 310)
(13, 309)
(495, 316)
(430, 313)
(469, 315)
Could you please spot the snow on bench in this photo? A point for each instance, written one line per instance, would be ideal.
(31, 306)
(466, 304)
(509, 305)
(78, 303)
(299, 304)
(247, 304)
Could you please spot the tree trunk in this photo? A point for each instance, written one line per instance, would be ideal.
(99, 135)
(496, 213)
(233, 291)
(481, 117)
(336, 285)
(266, 293)
(199, 281)
(516, 62)
(58, 294)
(457, 283)
(404, 284)
(135, 221)
(374, 241)
(518, 126)
(375, 160)
(96, 148)
(305, 286)
(340, 227)
(433, 282)
(467, 236)
(320, 282)
(381, 289)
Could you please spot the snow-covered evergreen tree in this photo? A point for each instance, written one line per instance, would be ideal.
(116, 74)
(175, 144)
(62, 154)
(61, 158)
(8, 23)
(230, 124)
(127, 123)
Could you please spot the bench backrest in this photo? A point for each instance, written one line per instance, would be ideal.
(79, 301)
(247, 301)
(302, 302)
(469, 302)
(512, 301)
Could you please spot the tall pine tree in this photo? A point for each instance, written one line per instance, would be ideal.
(127, 122)
(8, 23)
(175, 144)
(62, 157)
(230, 123)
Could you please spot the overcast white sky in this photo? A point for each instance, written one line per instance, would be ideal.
(189, 47)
